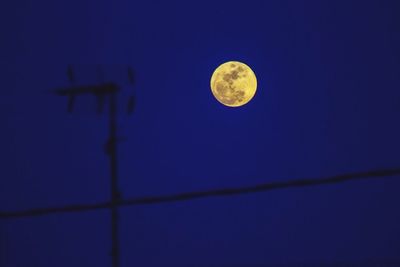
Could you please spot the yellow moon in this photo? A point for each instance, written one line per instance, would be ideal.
(233, 84)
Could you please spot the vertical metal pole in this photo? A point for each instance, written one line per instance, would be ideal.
(115, 195)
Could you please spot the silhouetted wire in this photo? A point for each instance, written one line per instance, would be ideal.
(203, 194)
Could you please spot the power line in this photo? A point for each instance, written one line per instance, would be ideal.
(203, 194)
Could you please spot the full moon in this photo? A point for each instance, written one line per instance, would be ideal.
(233, 84)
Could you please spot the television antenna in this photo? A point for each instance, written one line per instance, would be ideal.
(105, 91)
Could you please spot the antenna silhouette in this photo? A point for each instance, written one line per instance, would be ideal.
(102, 91)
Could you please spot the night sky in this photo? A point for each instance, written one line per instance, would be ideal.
(328, 103)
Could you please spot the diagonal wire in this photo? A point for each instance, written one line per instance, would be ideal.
(375, 174)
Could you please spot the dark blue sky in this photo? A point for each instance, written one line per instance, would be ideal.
(328, 102)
